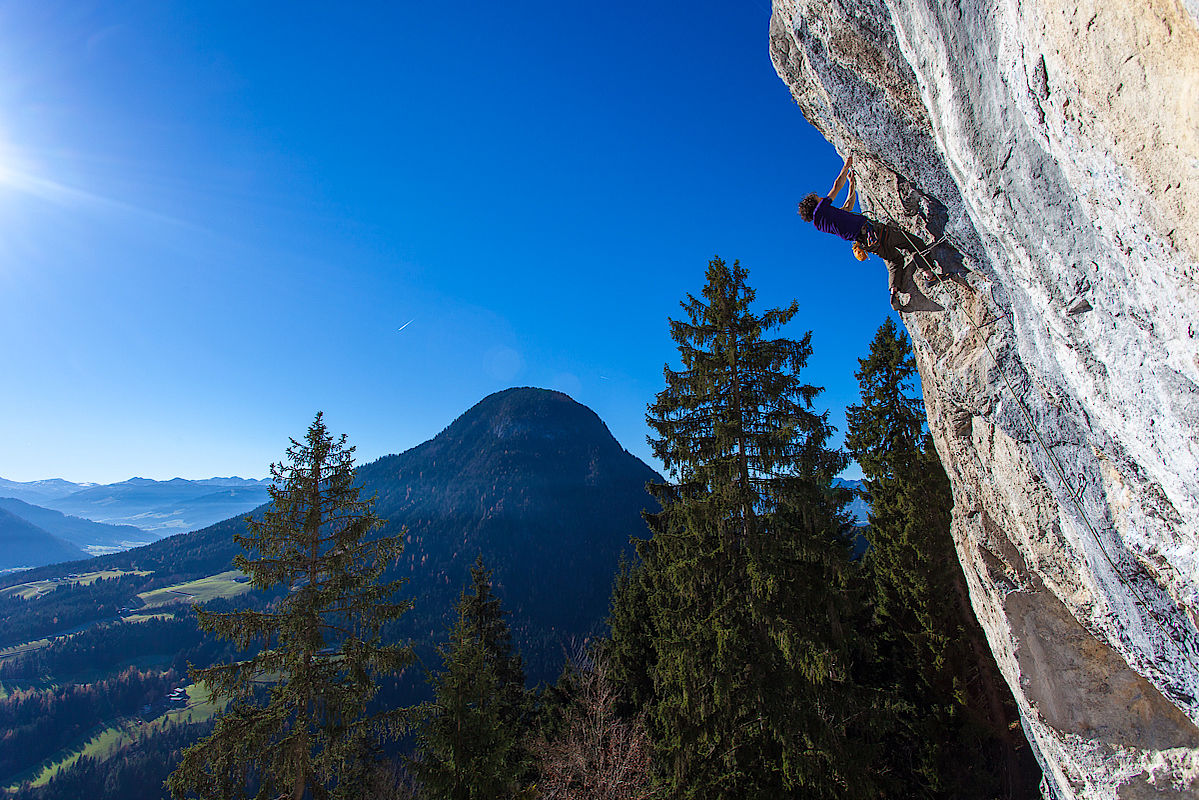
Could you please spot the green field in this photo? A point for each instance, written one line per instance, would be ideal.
(101, 746)
(199, 707)
(225, 584)
(34, 589)
(144, 617)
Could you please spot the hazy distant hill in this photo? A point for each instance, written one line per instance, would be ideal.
(163, 507)
(23, 544)
(96, 538)
(857, 508)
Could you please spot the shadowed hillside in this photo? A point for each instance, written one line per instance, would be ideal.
(22, 543)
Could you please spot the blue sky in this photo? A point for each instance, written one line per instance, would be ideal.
(216, 216)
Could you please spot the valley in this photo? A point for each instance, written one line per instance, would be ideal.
(54, 521)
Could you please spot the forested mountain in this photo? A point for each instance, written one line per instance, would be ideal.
(23, 544)
(96, 538)
(537, 484)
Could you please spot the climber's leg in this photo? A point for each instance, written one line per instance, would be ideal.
(907, 241)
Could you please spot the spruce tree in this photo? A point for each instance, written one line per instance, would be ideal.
(750, 669)
(959, 742)
(296, 724)
(482, 609)
(628, 652)
(472, 746)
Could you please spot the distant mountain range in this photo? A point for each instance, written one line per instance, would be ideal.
(40, 491)
(164, 507)
(99, 519)
(96, 538)
(159, 507)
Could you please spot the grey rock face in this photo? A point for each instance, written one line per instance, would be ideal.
(1057, 145)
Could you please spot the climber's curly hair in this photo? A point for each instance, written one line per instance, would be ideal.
(807, 206)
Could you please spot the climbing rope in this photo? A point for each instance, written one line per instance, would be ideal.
(1074, 495)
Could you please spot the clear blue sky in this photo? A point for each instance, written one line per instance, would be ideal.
(215, 217)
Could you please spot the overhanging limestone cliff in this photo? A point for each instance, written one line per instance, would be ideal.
(1057, 144)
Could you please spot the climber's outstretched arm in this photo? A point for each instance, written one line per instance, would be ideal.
(841, 178)
(853, 193)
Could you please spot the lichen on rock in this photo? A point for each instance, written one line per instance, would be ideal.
(1057, 146)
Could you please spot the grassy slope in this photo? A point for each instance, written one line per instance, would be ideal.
(34, 589)
(224, 584)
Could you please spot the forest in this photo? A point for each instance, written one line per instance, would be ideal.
(748, 651)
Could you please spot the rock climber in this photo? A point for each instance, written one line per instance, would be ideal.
(868, 237)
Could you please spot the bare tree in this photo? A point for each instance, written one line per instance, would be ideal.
(597, 755)
(388, 780)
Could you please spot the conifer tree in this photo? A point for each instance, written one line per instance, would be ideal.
(320, 644)
(959, 742)
(484, 612)
(752, 697)
(472, 745)
(628, 652)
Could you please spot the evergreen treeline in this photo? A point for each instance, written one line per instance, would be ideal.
(66, 607)
(959, 736)
(750, 654)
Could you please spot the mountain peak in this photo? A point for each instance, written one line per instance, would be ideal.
(527, 412)
(535, 482)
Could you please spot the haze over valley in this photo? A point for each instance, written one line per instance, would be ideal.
(100, 519)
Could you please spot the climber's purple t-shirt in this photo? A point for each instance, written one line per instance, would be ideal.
(837, 221)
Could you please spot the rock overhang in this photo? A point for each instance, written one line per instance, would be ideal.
(1071, 437)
